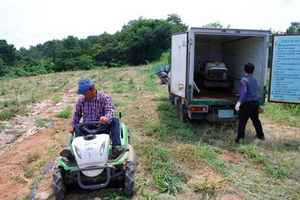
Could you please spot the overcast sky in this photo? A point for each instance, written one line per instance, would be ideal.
(30, 22)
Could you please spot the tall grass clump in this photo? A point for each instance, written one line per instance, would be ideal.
(165, 176)
(65, 113)
(6, 115)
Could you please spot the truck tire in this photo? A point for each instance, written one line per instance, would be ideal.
(183, 115)
(58, 186)
(129, 179)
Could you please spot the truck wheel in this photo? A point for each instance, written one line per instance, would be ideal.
(129, 178)
(183, 115)
(58, 186)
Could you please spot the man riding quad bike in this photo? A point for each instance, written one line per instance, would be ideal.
(98, 147)
(89, 161)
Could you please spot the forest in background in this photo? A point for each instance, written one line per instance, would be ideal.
(139, 42)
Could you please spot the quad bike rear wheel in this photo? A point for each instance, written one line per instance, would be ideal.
(129, 178)
(58, 186)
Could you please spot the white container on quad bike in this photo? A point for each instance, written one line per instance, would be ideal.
(91, 151)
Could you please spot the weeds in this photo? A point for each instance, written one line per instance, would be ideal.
(3, 92)
(43, 162)
(2, 127)
(42, 122)
(6, 115)
(33, 157)
(56, 99)
(64, 113)
(10, 103)
(54, 132)
(28, 171)
(34, 97)
(204, 187)
(19, 179)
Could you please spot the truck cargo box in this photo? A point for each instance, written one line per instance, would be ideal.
(207, 66)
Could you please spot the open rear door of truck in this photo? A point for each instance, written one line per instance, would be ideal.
(285, 70)
(179, 64)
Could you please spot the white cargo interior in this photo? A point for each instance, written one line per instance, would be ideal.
(235, 52)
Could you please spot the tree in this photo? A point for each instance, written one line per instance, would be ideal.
(174, 19)
(178, 26)
(144, 40)
(67, 55)
(294, 28)
(8, 53)
(215, 25)
(139, 42)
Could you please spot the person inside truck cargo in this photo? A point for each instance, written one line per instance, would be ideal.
(96, 106)
(248, 104)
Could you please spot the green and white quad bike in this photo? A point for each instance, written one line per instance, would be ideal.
(89, 161)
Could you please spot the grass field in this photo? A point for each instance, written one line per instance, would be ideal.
(176, 160)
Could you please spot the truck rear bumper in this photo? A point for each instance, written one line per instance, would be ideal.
(215, 114)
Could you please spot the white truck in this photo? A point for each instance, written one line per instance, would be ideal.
(207, 65)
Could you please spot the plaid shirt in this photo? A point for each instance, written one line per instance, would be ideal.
(92, 110)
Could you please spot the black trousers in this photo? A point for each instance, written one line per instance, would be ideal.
(249, 110)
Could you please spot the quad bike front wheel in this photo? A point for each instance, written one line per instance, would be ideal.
(129, 178)
(58, 186)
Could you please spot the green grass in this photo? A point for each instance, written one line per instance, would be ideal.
(6, 115)
(287, 114)
(19, 179)
(28, 171)
(32, 156)
(56, 99)
(66, 113)
(42, 122)
(2, 127)
(170, 152)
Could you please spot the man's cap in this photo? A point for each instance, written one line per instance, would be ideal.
(84, 85)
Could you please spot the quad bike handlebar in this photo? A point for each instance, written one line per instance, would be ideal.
(103, 128)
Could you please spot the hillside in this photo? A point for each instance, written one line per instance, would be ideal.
(176, 160)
